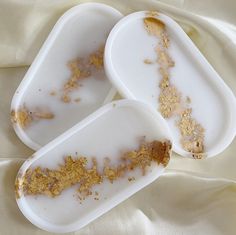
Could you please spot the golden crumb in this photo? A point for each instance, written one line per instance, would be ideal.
(165, 81)
(112, 173)
(90, 178)
(169, 101)
(53, 93)
(22, 117)
(147, 61)
(71, 84)
(75, 171)
(164, 60)
(65, 98)
(192, 133)
(96, 58)
(157, 28)
(154, 26)
(165, 41)
(74, 68)
(155, 151)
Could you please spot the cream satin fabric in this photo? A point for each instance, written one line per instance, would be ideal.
(194, 197)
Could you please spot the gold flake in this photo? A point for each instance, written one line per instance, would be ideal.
(164, 60)
(147, 61)
(24, 117)
(192, 133)
(154, 26)
(82, 68)
(75, 171)
(65, 98)
(170, 100)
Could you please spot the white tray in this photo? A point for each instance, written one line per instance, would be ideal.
(212, 101)
(80, 31)
(114, 128)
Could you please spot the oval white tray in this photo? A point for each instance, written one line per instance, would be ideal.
(109, 131)
(80, 31)
(213, 103)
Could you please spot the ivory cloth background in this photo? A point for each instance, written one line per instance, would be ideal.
(194, 196)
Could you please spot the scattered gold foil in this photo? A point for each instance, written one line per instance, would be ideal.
(170, 99)
(147, 61)
(96, 58)
(66, 98)
(154, 26)
(75, 170)
(24, 117)
(156, 151)
(164, 60)
(192, 133)
(157, 28)
(21, 117)
(80, 69)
